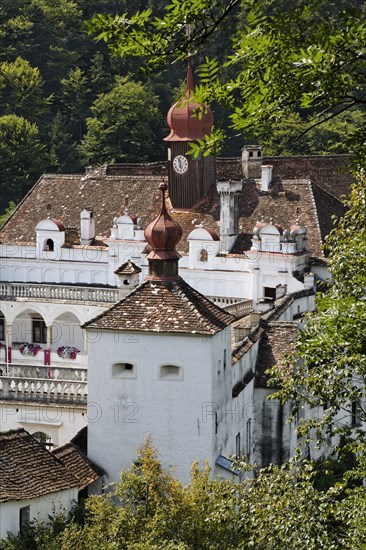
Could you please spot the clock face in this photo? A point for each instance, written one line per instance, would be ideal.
(180, 164)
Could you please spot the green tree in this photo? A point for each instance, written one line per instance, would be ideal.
(331, 369)
(290, 135)
(22, 157)
(21, 90)
(306, 56)
(277, 510)
(62, 146)
(9, 210)
(75, 93)
(126, 125)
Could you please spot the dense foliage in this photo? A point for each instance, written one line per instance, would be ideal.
(284, 57)
(330, 372)
(149, 509)
(54, 80)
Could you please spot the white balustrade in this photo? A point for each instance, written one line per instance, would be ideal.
(235, 306)
(59, 292)
(16, 389)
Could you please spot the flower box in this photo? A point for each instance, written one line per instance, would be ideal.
(29, 349)
(67, 352)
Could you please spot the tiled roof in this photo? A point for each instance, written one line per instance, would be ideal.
(28, 470)
(105, 190)
(78, 464)
(277, 342)
(270, 316)
(164, 306)
(128, 268)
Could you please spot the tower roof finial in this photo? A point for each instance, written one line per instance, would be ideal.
(163, 233)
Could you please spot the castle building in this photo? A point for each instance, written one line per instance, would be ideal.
(97, 325)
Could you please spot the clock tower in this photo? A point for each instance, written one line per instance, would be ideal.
(189, 177)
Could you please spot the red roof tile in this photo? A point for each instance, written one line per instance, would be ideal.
(105, 191)
(28, 470)
(164, 306)
(78, 464)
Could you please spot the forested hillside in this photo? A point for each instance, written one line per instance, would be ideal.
(66, 102)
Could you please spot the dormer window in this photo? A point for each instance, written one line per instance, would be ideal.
(49, 245)
(203, 255)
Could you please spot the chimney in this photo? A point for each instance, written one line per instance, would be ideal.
(228, 191)
(266, 177)
(309, 280)
(87, 226)
(251, 160)
(255, 317)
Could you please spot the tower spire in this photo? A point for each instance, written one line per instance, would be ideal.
(163, 234)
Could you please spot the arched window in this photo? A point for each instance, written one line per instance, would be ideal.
(259, 154)
(203, 255)
(250, 153)
(44, 439)
(170, 372)
(123, 370)
(49, 245)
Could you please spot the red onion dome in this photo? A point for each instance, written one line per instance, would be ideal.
(182, 117)
(163, 233)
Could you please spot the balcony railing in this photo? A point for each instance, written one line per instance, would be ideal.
(59, 292)
(81, 360)
(235, 306)
(41, 390)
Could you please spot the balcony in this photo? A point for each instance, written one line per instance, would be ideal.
(43, 391)
(60, 293)
(80, 362)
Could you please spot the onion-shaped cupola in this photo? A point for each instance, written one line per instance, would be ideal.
(189, 177)
(182, 117)
(163, 234)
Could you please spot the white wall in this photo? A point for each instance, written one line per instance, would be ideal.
(40, 509)
(179, 414)
(60, 422)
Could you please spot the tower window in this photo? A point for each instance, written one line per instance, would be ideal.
(170, 372)
(250, 153)
(123, 370)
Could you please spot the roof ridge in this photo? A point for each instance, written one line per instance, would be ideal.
(315, 184)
